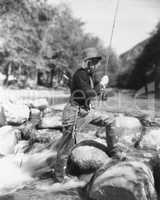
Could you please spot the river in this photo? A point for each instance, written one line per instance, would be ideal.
(121, 101)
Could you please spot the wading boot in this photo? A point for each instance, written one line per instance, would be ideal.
(114, 150)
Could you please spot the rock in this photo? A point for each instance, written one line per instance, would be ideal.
(127, 122)
(35, 116)
(129, 180)
(151, 140)
(52, 135)
(51, 122)
(86, 157)
(28, 131)
(28, 102)
(40, 104)
(59, 107)
(51, 119)
(16, 114)
(128, 129)
(51, 112)
(22, 146)
(154, 163)
(2, 116)
(8, 139)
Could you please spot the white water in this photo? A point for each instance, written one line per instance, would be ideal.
(12, 177)
(18, 170)
(60, 187)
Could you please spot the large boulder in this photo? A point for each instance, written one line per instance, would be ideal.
(51, 119)
(86, 157)
(8, 139)
(25, 101)
(131, 180)
(128, 129)
(51, 122)
(126, 122)
(16, 114)
(41, 103)
(154, 163)
(151, 140)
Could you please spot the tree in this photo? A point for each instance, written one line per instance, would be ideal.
(24, 40)
(147, 65)
(45, 37)
(64, 39)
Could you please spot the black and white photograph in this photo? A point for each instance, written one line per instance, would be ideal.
(79, 99)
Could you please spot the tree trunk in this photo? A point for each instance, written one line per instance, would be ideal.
(157, 88)
(8, 72)
(146, 89)
(51, 78)
(157, 82)
(36, 76)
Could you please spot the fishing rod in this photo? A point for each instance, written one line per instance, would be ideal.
(112, 33)
(105, 78)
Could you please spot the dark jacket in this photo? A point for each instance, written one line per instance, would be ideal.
(81, 88)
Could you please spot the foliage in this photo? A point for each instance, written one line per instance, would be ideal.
(64, 39)
(37, 35)
(146, 61)
(128, 60)
(23, 28)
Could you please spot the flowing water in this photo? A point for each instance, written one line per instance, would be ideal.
(16, 181)
(13, 177)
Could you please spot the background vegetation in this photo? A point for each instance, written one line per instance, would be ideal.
(39, 40)
(141, 64)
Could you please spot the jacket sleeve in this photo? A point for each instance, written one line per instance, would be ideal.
(84, 84)
(97, 86)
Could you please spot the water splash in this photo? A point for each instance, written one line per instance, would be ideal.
(60, 187)
(18, 170)
(12, 177)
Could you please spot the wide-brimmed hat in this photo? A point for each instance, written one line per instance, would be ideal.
(91, 53)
